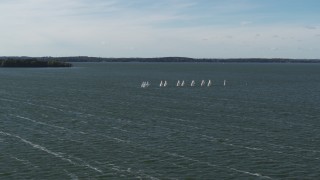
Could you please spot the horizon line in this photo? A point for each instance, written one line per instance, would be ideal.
(159, 57)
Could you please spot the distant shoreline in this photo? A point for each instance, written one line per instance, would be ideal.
(31, 63)
(161, 59)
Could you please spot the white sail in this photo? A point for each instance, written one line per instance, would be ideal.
(192, 83)
(147, 84)
(224, 83)
(182, 84)
(209, 83)
(143, 84)
(165, 83)
(178, 83)
(203, 83)
(161, 84)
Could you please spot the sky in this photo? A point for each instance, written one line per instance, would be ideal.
(161, 28)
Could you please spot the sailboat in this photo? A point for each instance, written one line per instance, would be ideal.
(192, 83)
(161, 84)
(203, 83)
(209, 83)
(147, 84)
(165, 84)
(224, 83)
(178, 83)
(182, 84)
(143, 84)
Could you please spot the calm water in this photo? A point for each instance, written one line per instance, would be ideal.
(94, 121)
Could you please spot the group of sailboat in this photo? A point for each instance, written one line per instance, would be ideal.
(145, 84)
(202, 84)
(180, 84)
(164, 83)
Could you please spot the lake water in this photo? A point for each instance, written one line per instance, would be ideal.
(95, 121)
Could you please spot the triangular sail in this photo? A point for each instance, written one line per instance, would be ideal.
(209, 83)
(203, 83)
(143, 84)
(192, 83)
(178, 83)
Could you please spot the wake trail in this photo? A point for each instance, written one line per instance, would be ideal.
(72, 176)
(23, 161)
(44, 149)
(218, 166)
(72, 131)
(46, 106)
(38, 122)
(125, 141)
(121, 170)
(225, 142)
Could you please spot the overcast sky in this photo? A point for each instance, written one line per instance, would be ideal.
(153, 28)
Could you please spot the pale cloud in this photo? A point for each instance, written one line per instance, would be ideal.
(311, 27)
(117, 28)
(245, 23)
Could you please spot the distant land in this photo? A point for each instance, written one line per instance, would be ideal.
(158, 59)
(32, 62)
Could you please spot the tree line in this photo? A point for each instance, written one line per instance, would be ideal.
(32, 62)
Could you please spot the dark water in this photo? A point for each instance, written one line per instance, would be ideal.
(94, 121)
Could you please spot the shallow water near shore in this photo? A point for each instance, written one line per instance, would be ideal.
(95, 121)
